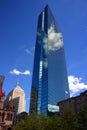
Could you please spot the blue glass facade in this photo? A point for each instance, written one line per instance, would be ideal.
(49, 70)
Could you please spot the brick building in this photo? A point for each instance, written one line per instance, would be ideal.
(74, 103)
(6, 113)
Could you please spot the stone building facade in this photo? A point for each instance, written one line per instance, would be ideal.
(74, 103)
(6, 113)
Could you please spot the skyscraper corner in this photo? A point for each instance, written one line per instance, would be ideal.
(49, 80)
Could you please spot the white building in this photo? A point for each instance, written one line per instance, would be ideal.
(18, 97)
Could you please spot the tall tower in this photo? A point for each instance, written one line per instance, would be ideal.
(49, 80)
(18, 97)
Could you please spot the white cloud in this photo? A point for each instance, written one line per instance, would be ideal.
(52, 43)
(55, 40)
(45, 45)
(45, 63)
(40, 69)
(76, 85)
(26, 72)
(17, 72)
(28, 51)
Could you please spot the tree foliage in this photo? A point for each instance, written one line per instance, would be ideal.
(68, 121)
(82, 118)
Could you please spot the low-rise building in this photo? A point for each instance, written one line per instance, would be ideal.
(6, 113)
(74, 103)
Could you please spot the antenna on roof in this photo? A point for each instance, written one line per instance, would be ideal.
(17, 83)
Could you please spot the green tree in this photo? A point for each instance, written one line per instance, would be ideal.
(20, 126)
(42, 122)
(55, 123)
(82, 118)
(50, 123)
(69, 120)
(31, 122)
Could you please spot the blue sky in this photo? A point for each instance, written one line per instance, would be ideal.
(18, 26)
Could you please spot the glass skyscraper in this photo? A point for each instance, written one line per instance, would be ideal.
(49, 80)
